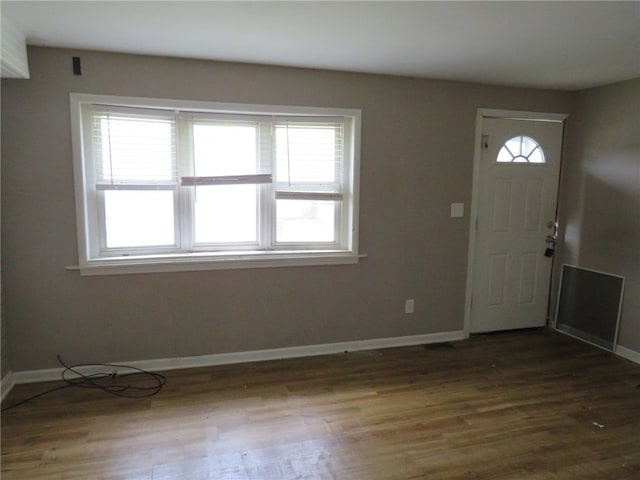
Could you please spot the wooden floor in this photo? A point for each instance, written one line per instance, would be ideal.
(524, 405)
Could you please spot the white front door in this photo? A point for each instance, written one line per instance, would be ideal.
(516, 198)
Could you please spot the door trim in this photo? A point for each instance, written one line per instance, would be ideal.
(481, 114)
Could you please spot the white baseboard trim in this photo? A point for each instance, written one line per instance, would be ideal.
(628, 354)
(618, 350)
(6, 384)
(34, 376)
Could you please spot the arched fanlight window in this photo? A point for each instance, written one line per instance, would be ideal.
(521, 149)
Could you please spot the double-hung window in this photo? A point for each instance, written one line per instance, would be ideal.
(167, 185)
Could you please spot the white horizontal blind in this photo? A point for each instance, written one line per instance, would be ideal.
(134, 149)
(309, 160)
(194, 181)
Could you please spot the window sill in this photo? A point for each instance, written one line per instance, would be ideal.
(199, 262)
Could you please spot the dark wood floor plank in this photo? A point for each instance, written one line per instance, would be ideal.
(523, 405)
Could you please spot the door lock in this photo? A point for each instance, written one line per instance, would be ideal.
(551, 244)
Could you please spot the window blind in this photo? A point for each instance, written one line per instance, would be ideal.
(309, 160)
(134, 149)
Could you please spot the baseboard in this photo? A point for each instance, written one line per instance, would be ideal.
(6, 384)
(628, 354)
(618, 350)
(34, 376)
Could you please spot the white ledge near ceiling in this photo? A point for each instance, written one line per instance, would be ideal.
(13, 55)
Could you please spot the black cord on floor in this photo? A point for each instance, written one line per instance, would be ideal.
(150, 383)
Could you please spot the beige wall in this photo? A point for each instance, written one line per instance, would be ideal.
(4, 345)
(417, 151)
(600, 192)
(4, 339)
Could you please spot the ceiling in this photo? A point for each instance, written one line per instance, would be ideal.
(558, 45)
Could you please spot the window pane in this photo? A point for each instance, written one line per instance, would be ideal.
(528, 144)
(308, 153)
(513, 145)
(305, 221)
(226, 214)
(134, 148)
(520, 150)
(223, 149)
(139, 219)
(504, 156)
(537, 156)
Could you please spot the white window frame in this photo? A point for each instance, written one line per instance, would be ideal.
(93, 260)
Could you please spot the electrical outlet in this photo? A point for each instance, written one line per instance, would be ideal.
(409, 305)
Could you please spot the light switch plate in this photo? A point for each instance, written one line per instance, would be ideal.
(409, 305)
(457, 209)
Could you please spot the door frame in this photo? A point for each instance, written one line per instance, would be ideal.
(481, 114)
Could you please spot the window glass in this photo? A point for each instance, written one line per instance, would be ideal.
(521, 149)
(226, 214)
(305, 221)
(224, 149)
(138, 218)
(308, 154)
(132, 148)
